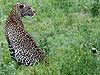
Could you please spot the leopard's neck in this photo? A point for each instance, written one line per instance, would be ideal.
(14, 18)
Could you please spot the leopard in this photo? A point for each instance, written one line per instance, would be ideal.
(23, 49)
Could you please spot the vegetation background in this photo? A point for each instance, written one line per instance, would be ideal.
(65, 29)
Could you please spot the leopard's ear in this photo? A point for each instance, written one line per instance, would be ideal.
(20, 5)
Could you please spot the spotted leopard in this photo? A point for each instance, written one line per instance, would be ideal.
(22, 47)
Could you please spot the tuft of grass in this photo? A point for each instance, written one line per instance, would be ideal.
(95, 8)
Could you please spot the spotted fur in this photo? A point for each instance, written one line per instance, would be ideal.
(22, 47)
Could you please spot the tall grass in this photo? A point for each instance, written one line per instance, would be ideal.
(65, 29)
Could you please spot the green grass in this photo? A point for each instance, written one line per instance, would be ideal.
(65, 30)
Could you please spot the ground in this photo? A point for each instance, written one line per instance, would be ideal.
(66, 30)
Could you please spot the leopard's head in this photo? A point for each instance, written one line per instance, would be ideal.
(25, 9)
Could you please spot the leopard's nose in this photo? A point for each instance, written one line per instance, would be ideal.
(34, 11)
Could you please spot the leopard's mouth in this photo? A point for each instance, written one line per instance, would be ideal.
(27, 14)
(30, 14)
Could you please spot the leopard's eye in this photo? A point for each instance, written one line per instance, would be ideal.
(21, 6)
(29, 8)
